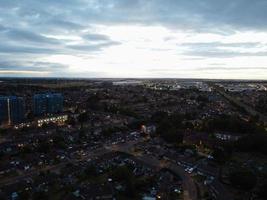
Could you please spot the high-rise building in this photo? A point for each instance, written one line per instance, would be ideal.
(12, 109)
(3, 109)
(49, 103)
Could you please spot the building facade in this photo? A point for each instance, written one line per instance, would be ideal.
(3, 109)
(50, 103)
(57, 119)
(12, 110)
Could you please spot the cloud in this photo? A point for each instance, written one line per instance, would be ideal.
(9, 48)
(2, 28)
(34, 31)
(31, 66)
(27, 36)
(96, 37)
(221, 44)
(223, 50)
(93, 47)
(218, 53)
(19, 41)
(231, 68)
(22, 68)
(69, 25)
(194, 14)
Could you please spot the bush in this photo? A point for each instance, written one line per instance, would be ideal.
(231, 124)
(243, 179)
(169, 129)
(124, 174)
(263, 190)
(253, 143)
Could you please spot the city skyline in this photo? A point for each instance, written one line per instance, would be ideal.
(134, 39)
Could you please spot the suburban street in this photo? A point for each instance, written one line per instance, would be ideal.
(190, 192)
(189, 187)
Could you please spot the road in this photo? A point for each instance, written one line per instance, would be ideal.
(247, 108)
(190, 190)
(91, 155)
(189, 187)
(221, 191)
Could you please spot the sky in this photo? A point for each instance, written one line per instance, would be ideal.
(217, 39)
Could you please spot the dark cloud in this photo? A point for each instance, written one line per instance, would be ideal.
(96, 37)
(19, 66)
(10, 48)
(221, 16)
(2, 28)
(64, 25)
(26, 25)
(18, 41)
(194, 14)
(27, 36)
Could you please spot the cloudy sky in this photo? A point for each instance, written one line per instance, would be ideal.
(134, 38)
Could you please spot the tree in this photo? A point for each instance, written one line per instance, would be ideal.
(82, 118)
(30, 115)
(93, 102)
(108, 132)
(3, 131)
(231, 124)
(24, 195)
(71, 121)
(40, 195)
(243, 178)
(253, 143)
(124, 174)
(221, 155)
(263, 190)
(158, 116)
(169, 132)
(59, 141)
(44, 147)
(261, 104)
(89, 172)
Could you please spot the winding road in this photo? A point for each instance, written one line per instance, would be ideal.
(189, 187)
